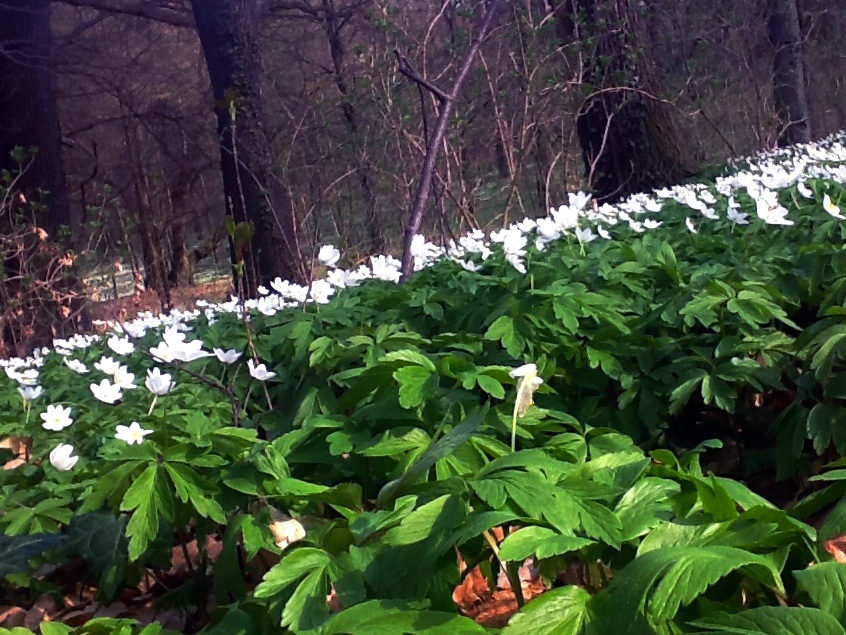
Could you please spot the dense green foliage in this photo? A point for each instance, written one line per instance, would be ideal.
(386, 433)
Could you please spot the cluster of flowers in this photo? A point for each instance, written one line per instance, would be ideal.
(765, 175)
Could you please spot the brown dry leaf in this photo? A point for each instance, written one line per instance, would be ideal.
(11, 616)
(80, 615)
(43, 609)
(473, 590)
(285, 529)
(837, 548)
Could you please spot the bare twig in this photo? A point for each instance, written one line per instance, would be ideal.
(447, 103)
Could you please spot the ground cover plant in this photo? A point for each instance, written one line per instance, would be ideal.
(601, 400)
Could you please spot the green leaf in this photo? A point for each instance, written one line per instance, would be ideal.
(540, 541)
(412, 385)
(491, 386)
(826, 584)
(827, 424)
(99, 538)
(644, 505)
(561, 611)
(438, 450)
(772, 620)
(15, 551)
(191, 488)
(412, 357)
(296, 563)
(654, 585)
(504, 330)
(441, 514)
(149, 499)
(396, 617)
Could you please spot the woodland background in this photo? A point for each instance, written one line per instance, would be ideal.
(329, 107)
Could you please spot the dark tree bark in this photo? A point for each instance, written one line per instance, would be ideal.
(788, 72)
(625, 131)
(28, 116)
(228, 31)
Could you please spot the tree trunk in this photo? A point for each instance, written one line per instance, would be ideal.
(28, 116)
(788, 72)
(625, 131)
(228, 32)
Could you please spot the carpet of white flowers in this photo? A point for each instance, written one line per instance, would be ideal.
(372, 438)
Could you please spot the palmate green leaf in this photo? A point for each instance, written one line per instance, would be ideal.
(654, 585)
(539, 541)
(306, 608)
(505, 331)
(439, 515)
(149, 499)
(827, 424)
(412, 357)
(641, 507)
(561, 611)
(191, 488)
(438, 450)
(395, 617)
(825, 583)
(413, 382)
(772, 620)
(295, 564)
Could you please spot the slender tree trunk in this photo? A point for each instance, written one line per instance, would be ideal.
(788, 72)
(228, 32)
(625, 131)
(28, 116)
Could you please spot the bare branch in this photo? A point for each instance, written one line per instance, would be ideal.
(433, 145)
(166, 14)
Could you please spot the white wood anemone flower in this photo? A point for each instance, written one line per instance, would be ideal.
(529, 382)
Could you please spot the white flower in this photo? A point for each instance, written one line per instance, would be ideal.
(578, 200)
(652, 224)
(29, 377)
(524, 370)
(259, 371)
(770, 210)
(831, 208)
(107, 365)
(529, 382)
(263, 290)
(737, 217)
(76, 366)
(603, 232)
(124, 379)
(132, 434)
(31, 393)
(157, 382)
(329, 255)
(227, 357)
(162, 352)
(106, 391)
(566, 217)
(585, 235)
(121, 345)
(61, 457)
(56, 418)
(189, 351)
(469, 265)
(804, 190)
(690, 225)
